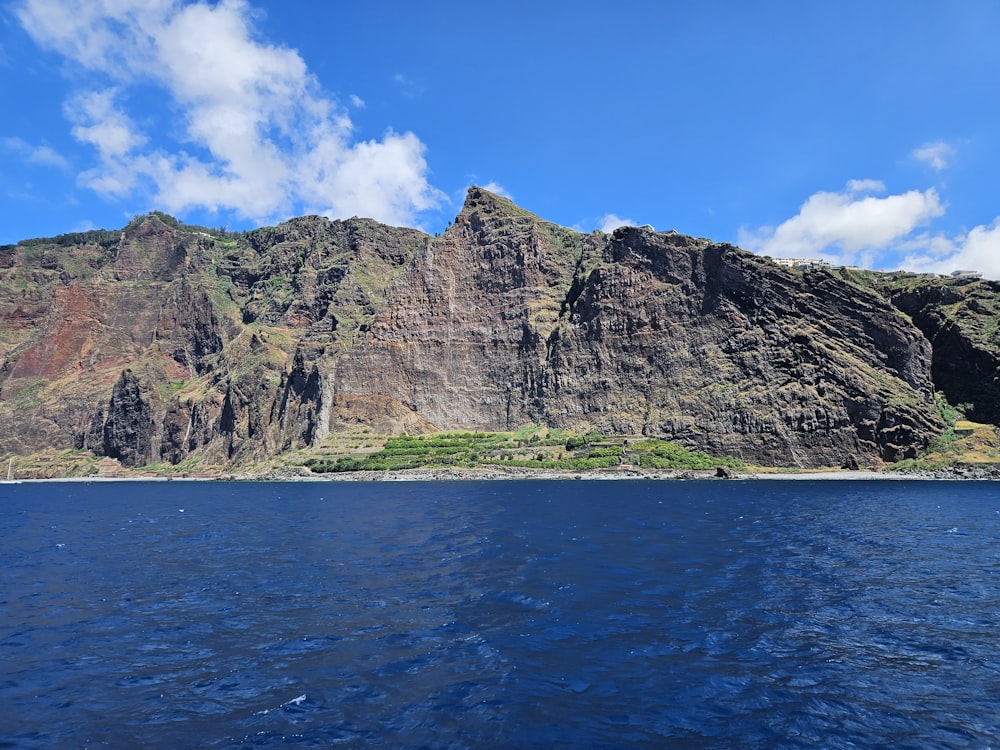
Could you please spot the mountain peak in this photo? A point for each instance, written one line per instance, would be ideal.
(248, 345)
(481, 201)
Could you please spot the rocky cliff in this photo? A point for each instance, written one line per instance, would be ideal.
(961, 319)
(166, 343)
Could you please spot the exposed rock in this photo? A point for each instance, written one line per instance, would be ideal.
(190, 322)
(188, 427)
(653, 334)
(251, 345)
(126, 431)
(301, 409)
(959, 317)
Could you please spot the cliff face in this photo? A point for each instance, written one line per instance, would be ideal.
(169, 344)
(959, 317)
(508, 320)
(126, 432)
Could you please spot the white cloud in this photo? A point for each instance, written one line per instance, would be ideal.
(497, 189)
(847, 227)
(976, 250)
(374, 177)
(257, 135)
(356, 101)
(43, 155)
(102, 124)
(610, 222)
(854, 228)
(936, 154)
(865, 186)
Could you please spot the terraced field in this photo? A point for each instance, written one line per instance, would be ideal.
(533, 448)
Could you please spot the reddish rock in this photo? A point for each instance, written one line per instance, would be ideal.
(239, 347)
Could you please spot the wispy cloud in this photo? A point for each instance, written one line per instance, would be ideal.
(847, 227)
(938, 154)
(409, 87)
(610, 222)
(497, 189)
(257, 134)
(42, 155)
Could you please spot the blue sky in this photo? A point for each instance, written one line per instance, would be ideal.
(865, 133)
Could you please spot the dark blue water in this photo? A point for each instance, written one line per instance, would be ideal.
(505, 614)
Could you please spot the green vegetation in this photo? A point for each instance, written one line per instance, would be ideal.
(532, 448)
(662, 454)
(950, 414)
(102, 237)
(220, 233)
(946, 446)
(269, 298)
(52, 464)
(964, 444)
(108, 238)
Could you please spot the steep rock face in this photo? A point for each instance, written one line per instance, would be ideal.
(152, 251)
(328, 277)
(324, 281)
(507, 320)
(240, 347)
(461, 338)
(73, 318)
(124, 432)
(188, 320)
(297, 412)
(959, 317)
(188, 427)
(725, 351)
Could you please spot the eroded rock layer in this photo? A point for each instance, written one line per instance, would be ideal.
(168, 343)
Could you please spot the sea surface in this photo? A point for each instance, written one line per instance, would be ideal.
(506, 614)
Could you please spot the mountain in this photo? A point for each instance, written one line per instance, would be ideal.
(164, 343)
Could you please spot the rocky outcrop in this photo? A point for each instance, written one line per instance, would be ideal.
(124, 431)
(726, 352)
(190, 426)
(299, 414)
(651, 334)
(958, 316)
(172, 343)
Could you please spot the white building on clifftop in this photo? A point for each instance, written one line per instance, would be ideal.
(803, 264)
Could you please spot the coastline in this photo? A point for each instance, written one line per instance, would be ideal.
(443, 475)
(493, 473)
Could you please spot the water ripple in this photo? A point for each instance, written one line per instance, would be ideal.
(513, 614)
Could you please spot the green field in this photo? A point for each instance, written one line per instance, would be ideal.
(532, 448)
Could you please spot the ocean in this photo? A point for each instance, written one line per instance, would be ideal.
(505, 614)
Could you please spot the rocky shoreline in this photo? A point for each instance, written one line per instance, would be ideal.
(986, 472)
(502, 473)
